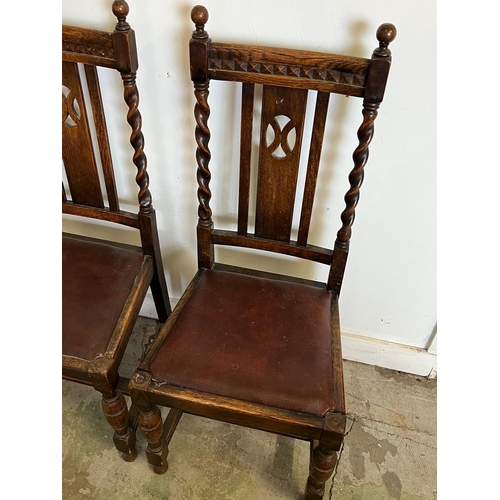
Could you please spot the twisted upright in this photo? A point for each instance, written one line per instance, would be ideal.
(386, 33)
(203, 155)
(131, 96)
(356, 176)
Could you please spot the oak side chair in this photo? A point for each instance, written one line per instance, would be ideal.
(103, 283)
(248, 347)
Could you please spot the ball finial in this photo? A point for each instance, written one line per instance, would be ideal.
(199, 15)
(386, 33)
(120, 9)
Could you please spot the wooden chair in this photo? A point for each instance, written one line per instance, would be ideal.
(104, 284)
(248, 347)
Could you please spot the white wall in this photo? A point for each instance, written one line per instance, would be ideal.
(389, 291)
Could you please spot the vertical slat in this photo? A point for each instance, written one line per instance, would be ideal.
(245, 156)
(77, 151)
(278, 171)
(318, 131)
(102, 136)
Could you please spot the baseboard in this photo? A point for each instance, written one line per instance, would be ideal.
(390, 355)
(363, 350)
(148, 309)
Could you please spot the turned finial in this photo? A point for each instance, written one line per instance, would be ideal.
(121, 10)
(386, 33)
(199, 16)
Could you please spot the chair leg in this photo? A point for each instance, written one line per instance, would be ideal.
(150, 422)
(324, 455)
(321, 468)
(103, 373)
(151, 426)
(117, 414)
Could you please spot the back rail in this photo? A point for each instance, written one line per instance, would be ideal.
(303, 69)
(308, 252)
(122, 217)
(88, 46)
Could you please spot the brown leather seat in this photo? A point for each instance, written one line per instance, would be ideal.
(97, 280)
(253, 339)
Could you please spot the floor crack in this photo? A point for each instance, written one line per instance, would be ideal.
(405, 428)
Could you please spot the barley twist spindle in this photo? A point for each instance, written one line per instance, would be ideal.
(203, 155)
(360, 157)
(137, 141)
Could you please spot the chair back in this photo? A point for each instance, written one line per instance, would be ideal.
(286, 77)
(91, 190)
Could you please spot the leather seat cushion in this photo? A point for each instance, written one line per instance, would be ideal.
(96, 281)
(254, 339)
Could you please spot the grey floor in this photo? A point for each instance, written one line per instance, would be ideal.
(389, 451)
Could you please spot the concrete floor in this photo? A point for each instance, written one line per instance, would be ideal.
(389, 451)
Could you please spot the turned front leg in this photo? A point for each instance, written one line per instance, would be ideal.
(324, 456)
(103, 374)
(322, 464)
(151, 426)
(150, 422)
(116, 411)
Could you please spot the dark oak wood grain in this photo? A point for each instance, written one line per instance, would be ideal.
(279, 160)
(318, 131)
(288, 67)
(102, 136)
(77, 149)
(245, 156)
(88, 46)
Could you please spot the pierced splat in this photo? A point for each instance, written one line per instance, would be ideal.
(77, 150)
(282, 123)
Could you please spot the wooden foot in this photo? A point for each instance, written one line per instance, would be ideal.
(116, 411)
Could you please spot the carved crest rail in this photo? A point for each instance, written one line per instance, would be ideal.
(311, 70)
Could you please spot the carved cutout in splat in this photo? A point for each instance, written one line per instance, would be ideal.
(281, 136)
(70, 108)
